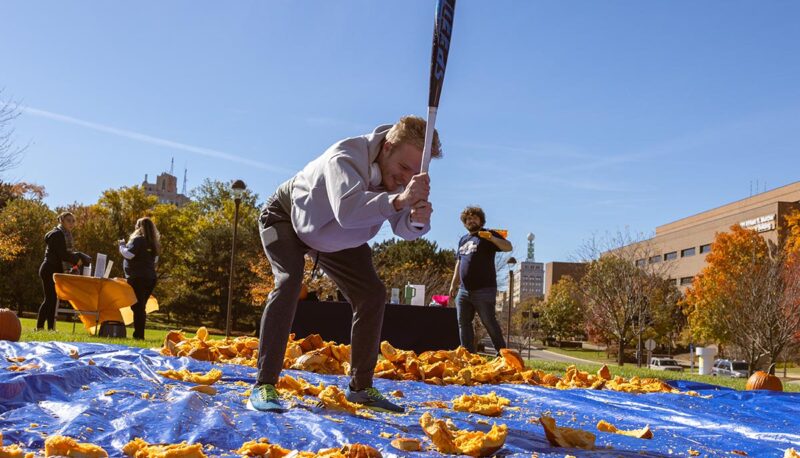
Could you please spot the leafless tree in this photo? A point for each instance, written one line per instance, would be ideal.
(9, 153)
(623, 279)
(761, 311)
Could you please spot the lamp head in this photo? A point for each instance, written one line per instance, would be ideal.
(238, 187)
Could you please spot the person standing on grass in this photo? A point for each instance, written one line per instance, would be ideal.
(330, 210)
(59, 256)
(140, 255)
(476, 274)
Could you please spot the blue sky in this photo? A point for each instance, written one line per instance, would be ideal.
(565, 119)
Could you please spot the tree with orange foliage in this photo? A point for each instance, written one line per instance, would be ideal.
(748, 296)
(793, 234)
(264, 281)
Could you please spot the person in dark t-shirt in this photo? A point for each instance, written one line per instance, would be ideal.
(141, 255)
(475, 272)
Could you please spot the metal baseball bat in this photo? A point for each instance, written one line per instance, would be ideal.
(442, 34)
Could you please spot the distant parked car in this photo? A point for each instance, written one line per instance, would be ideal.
(665, 364)
(728, 368)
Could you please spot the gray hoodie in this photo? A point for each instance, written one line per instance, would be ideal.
(336, 206)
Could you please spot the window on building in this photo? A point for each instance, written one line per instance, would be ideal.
(705, 248)
(655, 259)
(686, 281)
(671, 255)
(687, 252)
(640, 262)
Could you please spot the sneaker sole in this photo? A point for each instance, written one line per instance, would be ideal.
(249, 406)
(380, 409)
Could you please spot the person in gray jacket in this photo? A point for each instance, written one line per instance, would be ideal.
(330, 210)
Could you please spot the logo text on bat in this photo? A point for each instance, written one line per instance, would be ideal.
(445, 32)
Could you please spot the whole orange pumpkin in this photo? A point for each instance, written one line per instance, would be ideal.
(10, 327)
(761, 380)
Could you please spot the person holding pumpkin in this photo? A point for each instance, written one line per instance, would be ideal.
(476, 274)
(330, 210)
(140, 254)
(59, 256)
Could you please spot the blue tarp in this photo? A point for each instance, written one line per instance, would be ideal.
(68, 396)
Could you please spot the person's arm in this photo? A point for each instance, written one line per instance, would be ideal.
(125, 251)
(58, 243)
(456, 278)
(354, 206)
(501, 243)
(401, 223)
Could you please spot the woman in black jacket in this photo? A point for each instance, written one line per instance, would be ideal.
(141, 255)
(58, 256)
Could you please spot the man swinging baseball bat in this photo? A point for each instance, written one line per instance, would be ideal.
(330, 210)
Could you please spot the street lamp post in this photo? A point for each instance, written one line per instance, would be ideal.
(237, 188)
(511, 262)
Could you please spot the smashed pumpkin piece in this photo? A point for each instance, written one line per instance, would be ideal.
(604, 373)
(462, 442)
(359, 451)
(184, 375)
(550, 380)
(435, 404)
(67, 446)
(139, 448)
(490, 404)
(26, 367)
(513, 358)
(791, 453)
(318, 361)
(205, 389)
(333, 398)
(12, 451)
(642, 433)
(407, 444)
(394, 355)
(298, 386)
(560, 436)
(262, 448)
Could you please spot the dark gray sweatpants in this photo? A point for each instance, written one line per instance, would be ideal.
(352, 271)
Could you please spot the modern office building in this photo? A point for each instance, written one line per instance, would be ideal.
(528, 281)
(529, 276)
(685, 243)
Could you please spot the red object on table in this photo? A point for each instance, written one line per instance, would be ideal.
(441, 299)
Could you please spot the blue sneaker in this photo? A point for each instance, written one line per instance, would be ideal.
(373, 399)
(265, 398)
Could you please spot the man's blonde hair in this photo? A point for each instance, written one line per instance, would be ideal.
(411, 129)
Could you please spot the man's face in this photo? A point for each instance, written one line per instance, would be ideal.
(472, 223)
(398, 163)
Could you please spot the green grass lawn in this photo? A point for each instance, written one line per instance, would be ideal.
(63, 333)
